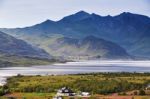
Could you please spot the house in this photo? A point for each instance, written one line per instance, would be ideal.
(65, 91)
(85, 94)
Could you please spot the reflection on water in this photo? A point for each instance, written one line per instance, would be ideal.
(77, 67)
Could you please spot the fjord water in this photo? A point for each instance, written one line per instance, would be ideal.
(76, 67)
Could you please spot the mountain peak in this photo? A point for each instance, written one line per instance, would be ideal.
(134, 17)
(48, 21)
(131, 14)
(126, 14)
(81, 13)
(76, 17)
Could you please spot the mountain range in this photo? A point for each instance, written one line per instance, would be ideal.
(83, 34)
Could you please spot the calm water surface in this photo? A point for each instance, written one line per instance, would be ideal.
(77, 67)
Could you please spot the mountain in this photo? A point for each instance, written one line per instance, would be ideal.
(13, 46)
(17, 52)
(130, 31)
(89, 47)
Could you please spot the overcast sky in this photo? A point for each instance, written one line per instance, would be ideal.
(20, 13)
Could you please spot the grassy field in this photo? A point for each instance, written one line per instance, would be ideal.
(30, 95)
(100, 85)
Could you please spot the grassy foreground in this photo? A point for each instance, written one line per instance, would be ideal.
(104, 85)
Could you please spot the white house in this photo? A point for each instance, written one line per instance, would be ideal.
(85, 94)
(65, 91)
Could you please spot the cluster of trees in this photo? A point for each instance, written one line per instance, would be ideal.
(118, 74)
(106, 86)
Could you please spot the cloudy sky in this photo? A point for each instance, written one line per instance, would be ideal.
(20, 13)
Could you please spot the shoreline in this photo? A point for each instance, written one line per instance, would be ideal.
(81, 67)
(4, 78)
